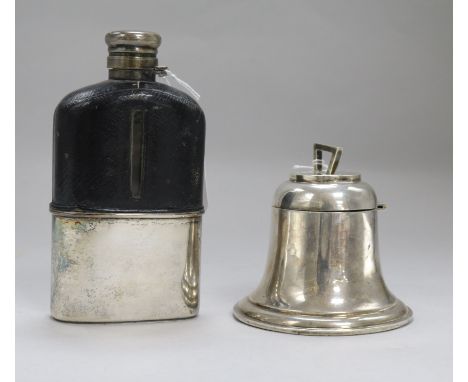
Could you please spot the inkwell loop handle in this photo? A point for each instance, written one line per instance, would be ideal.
(334, 159)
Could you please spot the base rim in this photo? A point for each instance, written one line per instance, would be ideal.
(241, 313)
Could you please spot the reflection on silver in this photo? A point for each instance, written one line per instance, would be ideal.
(125, 267)
(190, 281)
(323, 275)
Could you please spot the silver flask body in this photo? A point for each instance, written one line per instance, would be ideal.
(125, 267)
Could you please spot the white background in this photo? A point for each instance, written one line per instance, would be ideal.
(275, 77)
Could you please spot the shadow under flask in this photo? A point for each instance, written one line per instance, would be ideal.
(127, 193)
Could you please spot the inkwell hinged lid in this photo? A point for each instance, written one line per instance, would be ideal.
(320, 188)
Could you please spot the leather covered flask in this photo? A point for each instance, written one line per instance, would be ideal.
(127, 193)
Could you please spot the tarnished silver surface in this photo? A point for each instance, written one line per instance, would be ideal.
(323, 275)
(125, 267)
(132, 55)
(119, 40)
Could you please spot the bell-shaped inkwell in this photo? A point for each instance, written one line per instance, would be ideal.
(323, 275)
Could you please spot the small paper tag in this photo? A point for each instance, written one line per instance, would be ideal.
(172, 80)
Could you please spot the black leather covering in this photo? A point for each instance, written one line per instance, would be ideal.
(128, 146)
